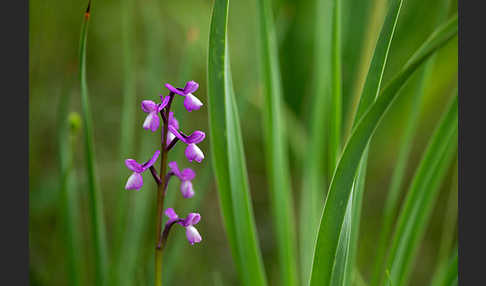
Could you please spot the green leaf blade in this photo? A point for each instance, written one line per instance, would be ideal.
(228, 155)
(98, 229)
(339, 193)
(276, 148)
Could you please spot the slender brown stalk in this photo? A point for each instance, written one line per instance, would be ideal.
(161, 195)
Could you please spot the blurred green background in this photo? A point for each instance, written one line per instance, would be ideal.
(150, 43)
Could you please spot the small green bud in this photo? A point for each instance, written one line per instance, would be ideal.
(74, 122)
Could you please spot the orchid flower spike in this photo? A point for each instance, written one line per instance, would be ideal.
(135, 181)
(152, 120)
(192, 219)
(185, 176)
(190, 102)
(193, 153)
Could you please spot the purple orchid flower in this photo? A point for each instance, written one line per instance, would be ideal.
(190, 102)
(135, 181)
(192, 152)
(192, 219)
(185, 176)
(152, 120)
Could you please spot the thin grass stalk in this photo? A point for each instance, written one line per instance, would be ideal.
(447, 273)
(421, 197)
(276, 149)
(391, 203)
(98, 230)
(449, 225)
(316, 170)
(336, 89)
(369, 94)
(69, 196)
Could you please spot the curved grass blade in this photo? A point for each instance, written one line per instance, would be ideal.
(422, 196)
(370, 91)
(325, 126)
(69, 200)
(276, 149)
(95, 200)
(340, 190)
(447, 275)
(391, 203)
(228, 157)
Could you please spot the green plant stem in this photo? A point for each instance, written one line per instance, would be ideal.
(160, 197)
(69, 198)
(95, 200)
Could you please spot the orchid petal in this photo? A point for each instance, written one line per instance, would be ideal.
(191, 86)
(173, 89)
(149, 106)
(133, 165)
(193, 153)
(187, 174)
(134, 182)
(151, 122)
(175, 169)
(171, 214)
(193, 235)
(187, 190)
(152, 160)
(192, 103)
(173, 121)
(165, 101)
(196, 137)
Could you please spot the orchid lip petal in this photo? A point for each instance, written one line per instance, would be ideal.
(193, 235)
(151, 121)
(133, 166)
(193, 153)
(134, 182)
(148, 106)
(191, 86)
(173, 89)
(187, 189)
(192, 103)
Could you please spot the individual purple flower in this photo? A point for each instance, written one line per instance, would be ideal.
(192, 219)
(190, 102)
(152, 120)
(192, 152)
(185, 176)
(135, 181)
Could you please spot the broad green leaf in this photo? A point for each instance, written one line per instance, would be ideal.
(228, 157)
(276, 148)
(447, 273)
(97, 222)
(340, 189)
(325, 126)
(370, 91)
(421, 197)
